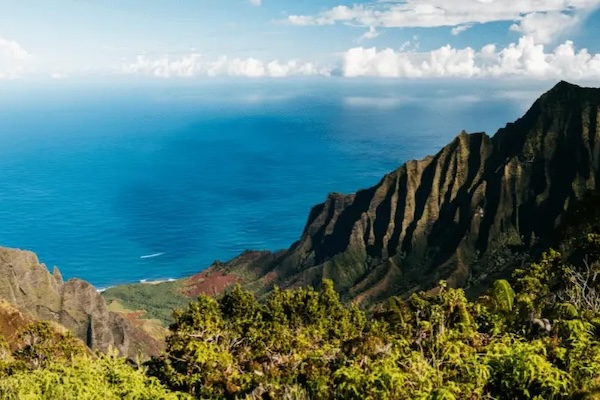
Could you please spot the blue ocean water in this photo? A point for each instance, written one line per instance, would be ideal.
(125, 183)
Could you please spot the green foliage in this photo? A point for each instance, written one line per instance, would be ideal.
(49, 363)
(535, 283)
(5, 356)
(309, 343)
(534, 341)
(538, 340)
(157, 300)
(536, 336)
(83, 378)
(521, 370)
(503, 295)
(39, 343)
(236, 346)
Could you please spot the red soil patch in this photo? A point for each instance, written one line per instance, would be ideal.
(150, 345)
(134, 317)
(208, 282)
(268, 278)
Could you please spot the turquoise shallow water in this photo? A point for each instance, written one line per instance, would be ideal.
(120, 184)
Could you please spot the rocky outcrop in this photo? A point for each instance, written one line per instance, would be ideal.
(439, 217)
(74, 304)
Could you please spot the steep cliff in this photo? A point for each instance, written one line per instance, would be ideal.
(443, 216)
(75, 304)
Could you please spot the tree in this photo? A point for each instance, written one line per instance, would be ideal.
(39, 342)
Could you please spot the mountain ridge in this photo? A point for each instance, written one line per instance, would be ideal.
(468, 213)
(431, 218)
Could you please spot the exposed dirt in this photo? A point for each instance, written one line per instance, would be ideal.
(209, 282)
(269, 277)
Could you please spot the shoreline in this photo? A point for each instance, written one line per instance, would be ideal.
(143, 282)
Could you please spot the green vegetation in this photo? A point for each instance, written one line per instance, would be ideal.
(156, 300)
(535, 335)
(535, 338)
(106, 377)
(49, 364)
(511, 343)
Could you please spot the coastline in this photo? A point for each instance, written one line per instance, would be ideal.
(143, 282)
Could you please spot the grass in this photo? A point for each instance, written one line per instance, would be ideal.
(157, 300)
(154, 327)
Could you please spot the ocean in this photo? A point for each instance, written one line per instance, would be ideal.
(125, 182)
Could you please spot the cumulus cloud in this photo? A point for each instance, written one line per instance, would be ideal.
(256, 2)
(195, 65)
(542, 20)
(12, 58)
(525, 58)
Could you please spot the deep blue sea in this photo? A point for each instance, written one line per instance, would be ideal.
(121, 183)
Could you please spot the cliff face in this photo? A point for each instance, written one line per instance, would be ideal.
(437, 218)
(74, 304)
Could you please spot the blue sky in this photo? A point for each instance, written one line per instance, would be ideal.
(62, 39)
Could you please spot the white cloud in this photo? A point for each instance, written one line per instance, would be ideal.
(544, 27)
(375, 102)
(12, 58)
(195, 65)
(457, 30)
(164, 67)
(525, 58)
(442, 62)
(543, 20)
(370, 34)
(13, 49)
(256, 2)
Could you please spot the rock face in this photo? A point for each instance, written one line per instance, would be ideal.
(436, 218)
(74, 304)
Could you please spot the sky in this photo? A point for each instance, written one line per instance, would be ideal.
(334, 39)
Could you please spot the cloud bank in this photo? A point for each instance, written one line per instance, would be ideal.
(543, 20)
(195, 65)
(525, 58)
